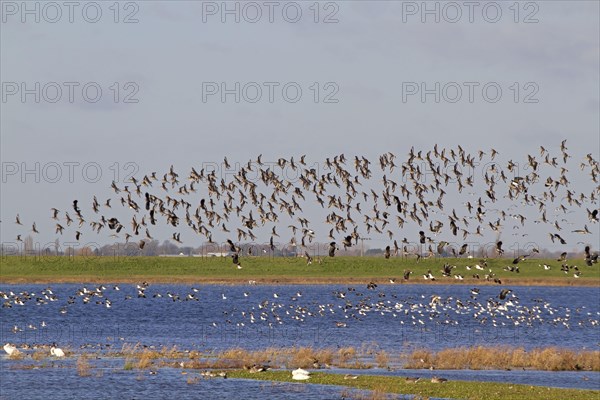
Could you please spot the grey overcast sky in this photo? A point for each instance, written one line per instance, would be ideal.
(369, 73)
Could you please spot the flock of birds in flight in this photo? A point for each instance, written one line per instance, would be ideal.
(413, 192)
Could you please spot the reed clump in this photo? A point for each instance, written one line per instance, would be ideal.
(557, 359)
(128, 365)
(137, 356)
(294, 357)
(419, 358)
(84, 369)
(238, 358)
(171, 352)
(325, 357)
(303, 357)
(346, 354)
(146, 359)
(39, 355)
(16, 355)
(482, 357)
(349, 357)
(128, 350)
(308, 357)
(382, 359)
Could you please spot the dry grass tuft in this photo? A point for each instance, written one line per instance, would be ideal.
(146, 359)
(39, 355)
(171, 352)
(238, 358)
(16, 355)
(128, 349)
(346, 354)
(307, 357)
(382, 359)
(348, 357)
(128, 365)
(303, 357)
(84, 368)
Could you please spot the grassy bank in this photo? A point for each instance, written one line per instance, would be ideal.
(49, 269)
(426, 389)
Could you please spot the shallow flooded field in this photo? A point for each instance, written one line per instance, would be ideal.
(102, 320)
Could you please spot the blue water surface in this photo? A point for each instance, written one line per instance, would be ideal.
(395, 318)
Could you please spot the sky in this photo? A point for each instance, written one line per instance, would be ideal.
(95, 92)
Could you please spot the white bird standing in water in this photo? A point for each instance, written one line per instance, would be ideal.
(56, 351)
(10, 349)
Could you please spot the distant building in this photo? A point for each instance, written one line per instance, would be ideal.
(218, 254)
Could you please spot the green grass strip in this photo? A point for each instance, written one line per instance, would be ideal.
(425, 388)
(20, 269)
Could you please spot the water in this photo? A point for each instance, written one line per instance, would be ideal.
(542, 316)
(390, 317)
(65, 384)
